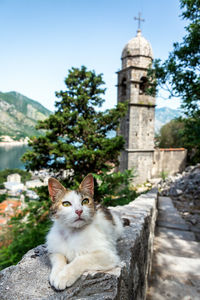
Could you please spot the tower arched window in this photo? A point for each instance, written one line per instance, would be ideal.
(143, 85)
(123, 87)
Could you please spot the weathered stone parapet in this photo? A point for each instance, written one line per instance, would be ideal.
(29, 278)
(168, 161)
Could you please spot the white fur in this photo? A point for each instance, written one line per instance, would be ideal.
(78, 246)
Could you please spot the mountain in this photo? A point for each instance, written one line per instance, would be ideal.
(163, 115)
(19, 115)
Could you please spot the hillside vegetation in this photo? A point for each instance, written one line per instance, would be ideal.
(19, 115)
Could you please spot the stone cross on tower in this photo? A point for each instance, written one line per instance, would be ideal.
(139, 19)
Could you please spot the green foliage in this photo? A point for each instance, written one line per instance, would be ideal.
(24, 174)
(180, 75)
(181, 132)
(26, 230)
(3, 197)
(115, 188)
(164, 175)
(171, 135)
(76, 137)
(192, 137)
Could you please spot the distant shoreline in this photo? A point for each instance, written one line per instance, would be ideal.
(13, 143)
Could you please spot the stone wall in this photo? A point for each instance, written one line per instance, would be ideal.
(168, 161)
(29, 278)
(141, 162)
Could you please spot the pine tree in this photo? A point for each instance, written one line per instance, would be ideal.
(76, 135)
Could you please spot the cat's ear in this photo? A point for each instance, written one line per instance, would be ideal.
(56, 189)
(87, 185)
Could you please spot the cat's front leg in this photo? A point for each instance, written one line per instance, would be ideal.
(58, 262)
(98, 260)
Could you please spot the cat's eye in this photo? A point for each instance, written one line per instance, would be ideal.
(66, 204)
(85, 201)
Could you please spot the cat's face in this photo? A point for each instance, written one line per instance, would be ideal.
(74, 208)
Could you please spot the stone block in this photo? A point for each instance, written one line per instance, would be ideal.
(175, 234)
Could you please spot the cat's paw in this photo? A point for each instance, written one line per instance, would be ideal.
(71, 277)
(63, 279)
(53, 278)
(68, 276)
(57, 281)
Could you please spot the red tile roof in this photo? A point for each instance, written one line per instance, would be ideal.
(172, 149)
(5, 215)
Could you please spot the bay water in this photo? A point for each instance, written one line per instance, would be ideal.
(10, 156)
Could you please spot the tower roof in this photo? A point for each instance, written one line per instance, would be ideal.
(138, 46)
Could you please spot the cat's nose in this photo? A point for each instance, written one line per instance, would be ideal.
(78, 212)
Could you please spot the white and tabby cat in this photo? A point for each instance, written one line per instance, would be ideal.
(82, 237)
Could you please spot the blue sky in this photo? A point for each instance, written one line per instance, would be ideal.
(42, 39)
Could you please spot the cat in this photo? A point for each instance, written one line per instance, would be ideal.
(83, 237)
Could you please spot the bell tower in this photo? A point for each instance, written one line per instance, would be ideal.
(137, 127)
